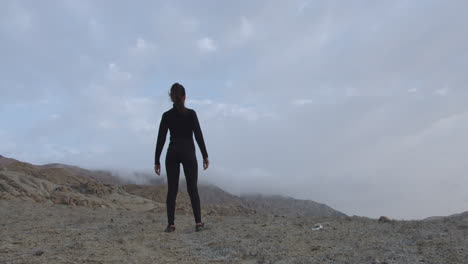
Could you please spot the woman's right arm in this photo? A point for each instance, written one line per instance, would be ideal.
(199, 136)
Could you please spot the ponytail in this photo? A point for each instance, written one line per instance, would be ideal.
(177, 93)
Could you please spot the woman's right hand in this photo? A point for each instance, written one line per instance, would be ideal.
(157, 169)
(206, 163)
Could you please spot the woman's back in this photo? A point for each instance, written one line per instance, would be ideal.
(182, 124)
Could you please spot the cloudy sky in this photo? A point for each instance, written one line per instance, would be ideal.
(361, 105)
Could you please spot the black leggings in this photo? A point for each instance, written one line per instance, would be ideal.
(187, 157)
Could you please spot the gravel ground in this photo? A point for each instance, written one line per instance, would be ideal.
(53, 233)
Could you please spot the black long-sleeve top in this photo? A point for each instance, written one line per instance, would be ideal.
(181, 124)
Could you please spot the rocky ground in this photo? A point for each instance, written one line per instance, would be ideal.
(34, 232)
(57, 213)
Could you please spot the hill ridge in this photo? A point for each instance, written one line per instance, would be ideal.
(78, 186)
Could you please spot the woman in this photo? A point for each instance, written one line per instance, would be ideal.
(181, 122)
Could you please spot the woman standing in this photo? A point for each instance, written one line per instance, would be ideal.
(181, 122)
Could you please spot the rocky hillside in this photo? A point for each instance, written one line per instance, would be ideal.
(22, 181)
(69, 185)
(280, 205)
(76, 186)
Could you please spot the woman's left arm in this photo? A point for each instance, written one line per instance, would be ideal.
(163, 127)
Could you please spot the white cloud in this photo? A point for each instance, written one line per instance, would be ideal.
(198, 102)
(7, 143)
(246, 28)
(190, 24)
(302, 101)
(241, 33)
(442, 91)
(206, 45)
(115, 74)
(107, 125)
(54, 116)
(138, 105)
(18, 18)
(54, 152)
(143, 45)
(142, 125)
(210, 109)
(443, 127)
(234, 181)
(302, 6)
(234, 110)
(352, 91)
(96, 30)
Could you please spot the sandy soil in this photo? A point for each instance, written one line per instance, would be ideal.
(55, 233)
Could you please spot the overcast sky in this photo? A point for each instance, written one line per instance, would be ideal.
(361, 105)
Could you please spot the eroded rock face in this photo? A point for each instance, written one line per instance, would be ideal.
(16, 185)
(23, 186)
(95, 188)
(64, 195)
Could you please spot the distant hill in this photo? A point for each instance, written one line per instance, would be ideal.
(266, 204)
(461, 216)
(281, 205)
(61, 183)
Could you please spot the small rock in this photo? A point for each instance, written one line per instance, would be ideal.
(384, 219)
(38, 253)
(314, 248)
(317, 227)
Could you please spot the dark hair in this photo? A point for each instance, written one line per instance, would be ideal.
(176, 94)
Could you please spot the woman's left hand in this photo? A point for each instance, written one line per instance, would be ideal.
(157, 169)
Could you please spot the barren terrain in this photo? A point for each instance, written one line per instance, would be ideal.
(49, 214)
